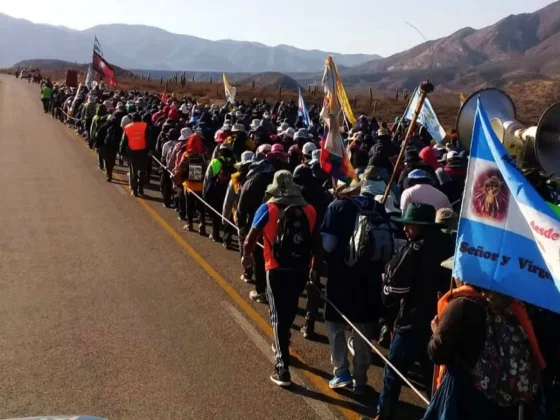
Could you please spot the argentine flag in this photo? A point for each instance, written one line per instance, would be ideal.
(302, 109)
(427, 116)
(509, 237)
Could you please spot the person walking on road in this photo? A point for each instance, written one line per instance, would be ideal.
(134, 144)
(291, 247)
(46, 92)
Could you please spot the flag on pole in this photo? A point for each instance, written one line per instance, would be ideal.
(89, 78)
(230, 90)
(164, 94)
(427, 116)
(97, 47)
(302, 109)
(102, 66)
(462, 99)
(334, 157)
(509, 237)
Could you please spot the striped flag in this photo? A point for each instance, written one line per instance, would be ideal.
(89, 78)
(334, 157)
(427, 117)
(509, 237)
(97, 47)
(230, 90)
(302, 109)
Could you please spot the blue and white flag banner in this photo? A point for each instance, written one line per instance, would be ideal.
(509, 237)
(427, 116)
(302, 109)
(89, 78)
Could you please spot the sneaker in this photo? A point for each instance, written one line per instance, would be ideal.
(202, 232)
(282, 379)
(109, 179)
(246, 278)
(308, 330)
(351, 346)
(226, 244)
(259, 297)
(341, 381)
(216, 239)
(134, 193)
(182, 218)
(188, 227)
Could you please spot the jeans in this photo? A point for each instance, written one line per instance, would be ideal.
(181, 202)
(284, 289)
(110, 155)
(336, 332)
(407, 347)
(166, 188)
(194, 204)
(137, 172)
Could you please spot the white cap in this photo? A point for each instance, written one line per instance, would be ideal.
(309, 148)
(290, 133)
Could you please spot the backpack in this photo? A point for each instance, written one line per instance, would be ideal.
(372, 241)
(293, 244)
(505, 371)
(113, 137)
(196, 168)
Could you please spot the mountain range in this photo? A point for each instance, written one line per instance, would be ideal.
(516, 49)
(150, 48)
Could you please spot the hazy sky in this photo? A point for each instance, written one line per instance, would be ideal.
(350, 26)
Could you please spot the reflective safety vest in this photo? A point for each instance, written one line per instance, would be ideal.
(136, 135)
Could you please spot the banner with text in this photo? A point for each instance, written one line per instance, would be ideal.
(509, 237)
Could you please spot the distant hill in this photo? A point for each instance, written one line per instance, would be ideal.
(271, 80)
(147, 47)
(517, 48)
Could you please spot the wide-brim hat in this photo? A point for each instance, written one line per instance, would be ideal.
(283, 186)
(418, 214)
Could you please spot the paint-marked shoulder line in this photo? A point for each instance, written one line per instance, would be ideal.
(317, 381)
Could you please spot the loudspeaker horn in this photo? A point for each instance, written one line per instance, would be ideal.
(537, 146)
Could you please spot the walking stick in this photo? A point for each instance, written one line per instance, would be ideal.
(425, 88)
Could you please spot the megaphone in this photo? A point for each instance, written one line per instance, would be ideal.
(537, 146)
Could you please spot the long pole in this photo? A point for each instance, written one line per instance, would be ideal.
(425, 88)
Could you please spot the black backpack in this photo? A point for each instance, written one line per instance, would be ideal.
(293, 244)
(373, 240)
(113, 137)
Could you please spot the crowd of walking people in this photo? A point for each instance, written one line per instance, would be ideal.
(254, 170)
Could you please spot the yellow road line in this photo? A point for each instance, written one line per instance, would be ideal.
(319, 382)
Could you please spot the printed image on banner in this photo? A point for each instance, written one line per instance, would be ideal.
(509, 237)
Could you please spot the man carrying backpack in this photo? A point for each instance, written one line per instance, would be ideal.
(107, 140)
(291, 245)
(190, 172)
(413, 278)
(359, 239)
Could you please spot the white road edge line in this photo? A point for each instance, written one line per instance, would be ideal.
(318, 406)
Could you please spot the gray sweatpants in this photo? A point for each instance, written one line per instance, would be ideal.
(336, 332)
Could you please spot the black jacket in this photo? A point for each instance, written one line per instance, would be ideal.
(414, 277)
(252, 193)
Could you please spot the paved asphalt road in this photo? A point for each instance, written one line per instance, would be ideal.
(108, 308)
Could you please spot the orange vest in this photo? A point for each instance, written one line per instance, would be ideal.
(136, 135)
(269, 231)
(516, 308)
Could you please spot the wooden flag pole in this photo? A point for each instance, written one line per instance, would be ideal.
(425, 88)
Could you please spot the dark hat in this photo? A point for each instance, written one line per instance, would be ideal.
(418, 214)
(456, 162)
(411, 155)
(173, 134)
